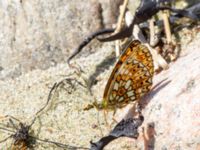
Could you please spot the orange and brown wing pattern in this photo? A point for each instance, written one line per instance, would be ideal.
(142, 54)
(126, 53)
(131, 78)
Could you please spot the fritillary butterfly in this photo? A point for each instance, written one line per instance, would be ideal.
(130, 79)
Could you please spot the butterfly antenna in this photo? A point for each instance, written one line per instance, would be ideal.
(98, 122)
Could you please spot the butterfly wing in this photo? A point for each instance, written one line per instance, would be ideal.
(131, 77)
(139, 52)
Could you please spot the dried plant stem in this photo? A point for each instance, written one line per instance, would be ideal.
(119, 25)
(167, 26)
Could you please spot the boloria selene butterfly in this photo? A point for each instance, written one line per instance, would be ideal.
(130, 79)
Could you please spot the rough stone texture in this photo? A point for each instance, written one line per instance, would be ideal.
(111, 11)
(64, 120)
(173, 104)
(39, 34)
(30, 44)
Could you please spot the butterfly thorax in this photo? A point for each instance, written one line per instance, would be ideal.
(104, 105)
(100, 106)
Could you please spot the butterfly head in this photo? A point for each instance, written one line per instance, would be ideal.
(96, 105)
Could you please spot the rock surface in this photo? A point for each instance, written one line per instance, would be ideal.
(39, 34)
(173, 105)
(37, 37)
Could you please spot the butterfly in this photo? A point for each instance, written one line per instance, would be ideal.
(130, 79)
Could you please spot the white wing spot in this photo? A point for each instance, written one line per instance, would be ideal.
(135, 62)
(121, 99)
(126, 71)
(145, 69)
(116, 86)
(128, 83)
(133, 98)
(130, 93)
(147, 73)
(117, 97)
(141, 65)
(139, 90)
(111, 97)
(150, 81)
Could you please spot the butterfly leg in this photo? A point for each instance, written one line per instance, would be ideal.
(105, 117)
(113, 117)
(114, 120)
